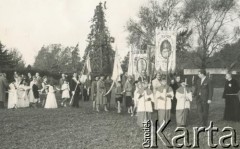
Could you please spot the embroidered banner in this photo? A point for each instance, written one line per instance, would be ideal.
(140, 64)
(165, 52)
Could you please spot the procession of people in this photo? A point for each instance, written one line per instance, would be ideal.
(143, 97)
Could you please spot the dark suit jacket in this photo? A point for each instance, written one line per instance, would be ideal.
(204, 91)
(73, 85)
(35, 91)
(3, 87)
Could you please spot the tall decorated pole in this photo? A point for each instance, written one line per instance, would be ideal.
(165, 51)
(165, 54)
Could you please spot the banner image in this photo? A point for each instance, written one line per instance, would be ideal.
(140, 64)
(165, 52)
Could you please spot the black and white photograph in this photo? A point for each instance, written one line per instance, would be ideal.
(119, 74)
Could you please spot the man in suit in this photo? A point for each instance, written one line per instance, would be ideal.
(39, 80)
(75, 90)
(3, 88)
(203, 94)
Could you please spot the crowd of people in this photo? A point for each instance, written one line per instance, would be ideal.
(142, 97)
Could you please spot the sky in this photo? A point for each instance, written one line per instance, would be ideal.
(27, 25)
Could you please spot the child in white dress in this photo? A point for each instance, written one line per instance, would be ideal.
(51, 101)
(12, 96)
(22, 92)
(65, 93)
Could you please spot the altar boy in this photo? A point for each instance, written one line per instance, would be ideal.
(184, 97)
(164, 95)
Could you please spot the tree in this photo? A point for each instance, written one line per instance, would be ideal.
(17, 59)
(210, 19)
(99, 44)
(57, 59)
(125, 62)
(228, 57)
(5, 58)
(75, 57)
(166, 15)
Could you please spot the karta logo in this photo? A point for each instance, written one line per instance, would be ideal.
(182, 140)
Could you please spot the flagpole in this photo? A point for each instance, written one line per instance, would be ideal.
(110, 88)
(116, 69)
(71, 101)
(132, 59)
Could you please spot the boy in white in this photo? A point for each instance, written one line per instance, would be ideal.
(184, 97)
(164, 95)
(143, 100)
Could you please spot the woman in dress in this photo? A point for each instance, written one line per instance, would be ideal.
(12, 95)
(232, 104)
(101, 99)
(20, 91)
(51, 101)
(23, 90)
(65, 92)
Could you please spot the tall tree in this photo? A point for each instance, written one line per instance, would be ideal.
(75, 58)
(5, 58)
(99, 43)
(17, 59)
(210, 20)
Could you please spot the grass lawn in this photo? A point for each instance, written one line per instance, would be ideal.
(84, 128)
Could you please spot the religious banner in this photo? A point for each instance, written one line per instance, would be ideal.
(165, 52)
(140, 64)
